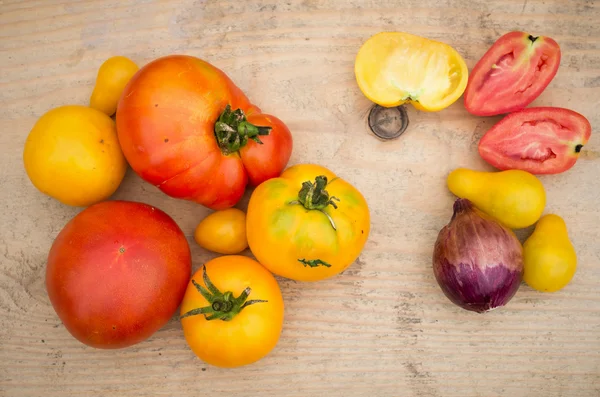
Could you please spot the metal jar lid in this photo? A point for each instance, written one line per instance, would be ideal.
(388, 123)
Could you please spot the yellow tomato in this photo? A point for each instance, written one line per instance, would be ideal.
(232, 312)
(223, 232)
(392, 68)
(113, 76)
(549, 257)
(73, 155)
(308, 224)
(514, 197)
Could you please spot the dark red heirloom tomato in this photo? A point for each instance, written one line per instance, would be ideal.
(185, 127)
(540, 140)
(117, 273)
(511, 74)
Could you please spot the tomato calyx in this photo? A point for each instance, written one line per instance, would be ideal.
(232, 131)
(223, 305)
(313, 196)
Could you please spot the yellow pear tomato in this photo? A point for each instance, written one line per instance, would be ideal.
(514, 197)
(549, 258)
(393, 68)
(307, 224)
(113, 76)
(223, 232)
(73, 155)
(232, 312)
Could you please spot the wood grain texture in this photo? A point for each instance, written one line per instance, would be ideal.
(383, 328)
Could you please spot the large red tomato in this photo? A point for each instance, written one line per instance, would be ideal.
(117, 272)
(185, 127)
(511, 74)
(539, 140)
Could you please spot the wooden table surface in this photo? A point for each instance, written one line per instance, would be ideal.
(383, 327)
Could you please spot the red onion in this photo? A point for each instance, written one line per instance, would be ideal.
(477, 261)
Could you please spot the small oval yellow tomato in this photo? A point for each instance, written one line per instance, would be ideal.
(223, 232)
(307, 224)
(232, 312)
(392, 68)
(549, 257)
(113, 76)
(73, 155)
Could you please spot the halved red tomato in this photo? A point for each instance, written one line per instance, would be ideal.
(540, 140)
(511, 74)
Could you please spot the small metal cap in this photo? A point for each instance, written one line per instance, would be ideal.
(388, 123)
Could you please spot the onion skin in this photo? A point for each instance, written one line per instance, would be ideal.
(477, 262)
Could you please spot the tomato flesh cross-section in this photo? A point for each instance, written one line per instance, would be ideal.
(511, 74)
(540, 140)
(393, 68)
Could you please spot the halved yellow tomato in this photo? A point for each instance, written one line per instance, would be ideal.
(393, 68)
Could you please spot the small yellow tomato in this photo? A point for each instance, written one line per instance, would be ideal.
(549, 258)
(223, 232)
(113, 76)
(232, 312)
(73, 155)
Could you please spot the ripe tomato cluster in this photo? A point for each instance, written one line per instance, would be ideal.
(119, 270)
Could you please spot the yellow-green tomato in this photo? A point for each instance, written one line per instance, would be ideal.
(223, 232)
(308, 224)
(113, 76)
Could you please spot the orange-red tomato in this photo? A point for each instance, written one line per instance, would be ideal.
(185, 127)
(232, 311)
(117, 272)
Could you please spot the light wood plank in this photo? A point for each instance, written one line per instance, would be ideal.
(383, 328)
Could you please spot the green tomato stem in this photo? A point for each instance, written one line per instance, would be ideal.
(223, 306)
(232, 131)
(313, 196)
